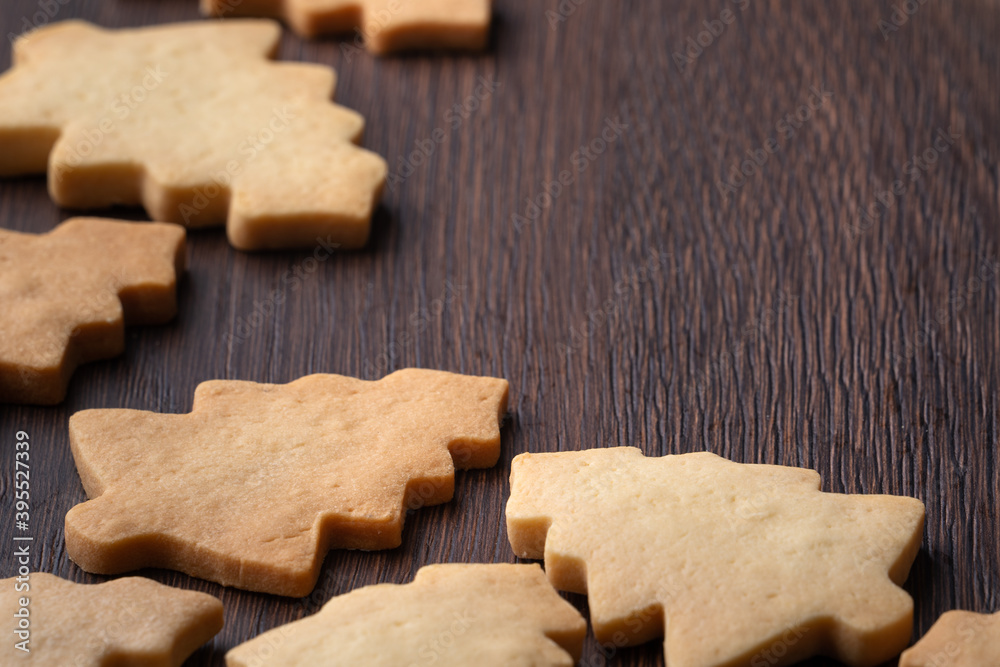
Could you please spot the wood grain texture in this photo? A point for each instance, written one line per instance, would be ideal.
(643, 305)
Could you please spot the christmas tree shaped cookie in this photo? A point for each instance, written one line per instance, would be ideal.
(451, 615)
(384, 25)
(196, 124)
(732, 563)
(255, 485)
(67, 295)
(130, 621)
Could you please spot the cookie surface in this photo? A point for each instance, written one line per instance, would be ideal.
(259, 481)
(385, 25)
(451, 615)
(126, 622)
(738, 563)
(957, 639)
(67, 295)
(196, 124)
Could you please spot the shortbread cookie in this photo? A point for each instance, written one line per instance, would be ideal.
(130, 621)
(741, 564)
(67, 295)
(454, 614)
(196, 124)
(958, 639)
(255, 485)
(384, 25)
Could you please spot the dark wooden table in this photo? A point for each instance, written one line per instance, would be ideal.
(801, 314)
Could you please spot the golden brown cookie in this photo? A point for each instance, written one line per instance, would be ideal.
(259, 481)
(67, 295)
(196, 124)
(738, 564)
(451, 615)
(384, 25)
(130, 621)
(958, 639)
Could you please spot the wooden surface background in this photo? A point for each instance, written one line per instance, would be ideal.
(643, 304)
